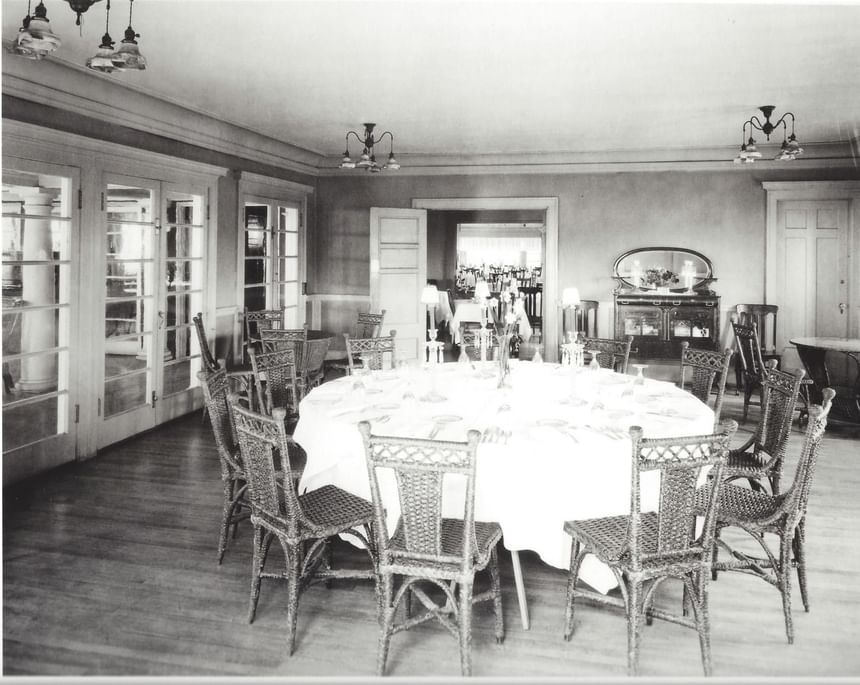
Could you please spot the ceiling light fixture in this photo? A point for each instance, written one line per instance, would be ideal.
(128, 56)
(79, 7)
(35, 38)
(368, 158)
(790, 148)
(103, 60)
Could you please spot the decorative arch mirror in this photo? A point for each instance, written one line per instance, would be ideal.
(674, 269)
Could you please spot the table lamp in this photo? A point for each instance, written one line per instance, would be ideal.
(430, 297)
(570, 300)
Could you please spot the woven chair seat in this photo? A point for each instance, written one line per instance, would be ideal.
(738, 504)
(607, 539)
(487, 535)
(331, 509)
(740, 461)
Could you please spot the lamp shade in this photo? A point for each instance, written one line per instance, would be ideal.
(570, 297)
(482, 290)
(430, 295)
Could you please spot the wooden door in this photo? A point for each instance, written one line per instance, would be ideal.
(812, 271)
(398, 272)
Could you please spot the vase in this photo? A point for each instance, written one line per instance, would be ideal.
(504, 357)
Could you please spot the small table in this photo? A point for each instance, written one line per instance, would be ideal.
(834, 363)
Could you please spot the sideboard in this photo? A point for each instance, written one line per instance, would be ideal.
(660, 323)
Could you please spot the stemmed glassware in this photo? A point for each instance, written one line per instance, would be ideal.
(640, 376)
(594, 365)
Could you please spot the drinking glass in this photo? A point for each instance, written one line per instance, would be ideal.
(640, 376)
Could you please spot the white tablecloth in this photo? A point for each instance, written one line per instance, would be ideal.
(538, 478)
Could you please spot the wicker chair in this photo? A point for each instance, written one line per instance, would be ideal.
(210, 364)
(646, 548)
(275, 380)
(258, 320)
(760, 460)
(312, 369)
(367, 325)
(302, 524)
(235, 508)
(275, 339)
(470, 342)
(427, 548)
(611, 354)
(706, 368)
(371, 351)
(783, 515)
(239, 376)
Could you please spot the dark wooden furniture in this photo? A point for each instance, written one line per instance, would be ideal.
(533, 304)
(833, 363)
(660, 323)
(663, 299)
(764, 318)
(753, 367)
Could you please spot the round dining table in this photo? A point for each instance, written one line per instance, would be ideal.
(835, 363)
(555, 443)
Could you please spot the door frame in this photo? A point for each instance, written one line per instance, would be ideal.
(815, 190)
(550, 276)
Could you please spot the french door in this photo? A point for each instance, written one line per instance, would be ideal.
(41, 254)
(270, 249)
(154, 249)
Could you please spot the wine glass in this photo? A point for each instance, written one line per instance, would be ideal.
(594, 365)
(640, 376)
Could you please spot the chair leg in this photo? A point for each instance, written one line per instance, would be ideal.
(784, 572)
(497, 596)
(634, 620)
(573, 574)
(699, 595)
(257, 563)
(294, 560)
(466, 629)
(386, 620)
(747, 394)
(226, 512)
(800, 560)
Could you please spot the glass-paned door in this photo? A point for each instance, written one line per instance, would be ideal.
(271, 258)
(39, 291)
(154, 282)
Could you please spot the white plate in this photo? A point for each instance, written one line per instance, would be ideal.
(555, 423)
(447, 418)
(384, 406)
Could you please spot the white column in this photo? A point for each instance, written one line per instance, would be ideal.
(38, 329)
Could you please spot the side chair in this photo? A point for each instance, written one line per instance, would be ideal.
(643, 549)
(371, 351)
(367, 325)
(760, 460)
(470, 342)
(611, 354)
(783, 515)
(276, 381)
(708, 371)
(302, 524)
(427, 549)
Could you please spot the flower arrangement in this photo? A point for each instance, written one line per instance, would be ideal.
(658, 277)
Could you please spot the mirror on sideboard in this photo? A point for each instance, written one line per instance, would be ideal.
(663, 269)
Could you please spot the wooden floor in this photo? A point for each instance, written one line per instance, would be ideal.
(109, 568)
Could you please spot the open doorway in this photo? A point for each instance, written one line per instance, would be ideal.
(505, 247)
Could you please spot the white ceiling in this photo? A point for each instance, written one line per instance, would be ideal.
(487, 77)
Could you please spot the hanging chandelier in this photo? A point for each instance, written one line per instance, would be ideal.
(790, 148)
(368, 158)
(35, 39)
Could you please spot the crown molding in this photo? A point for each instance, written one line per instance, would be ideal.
(54, 83)
(816, 156)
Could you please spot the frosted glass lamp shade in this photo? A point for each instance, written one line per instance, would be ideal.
(430, 295)
(570, 297)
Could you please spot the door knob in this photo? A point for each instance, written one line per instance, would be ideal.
(842, 307)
